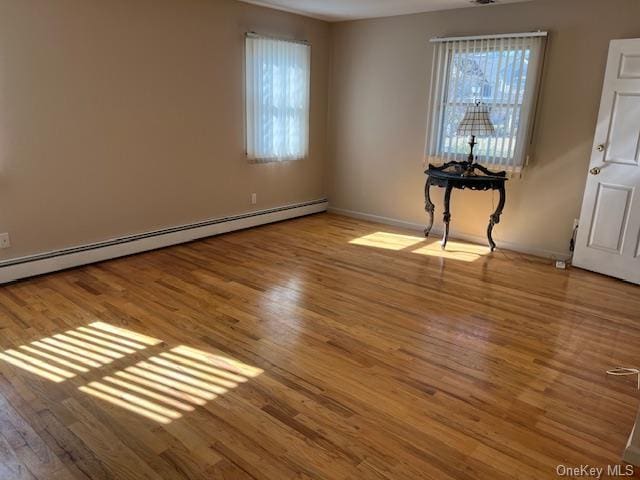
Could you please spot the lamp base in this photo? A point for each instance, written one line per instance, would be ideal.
(469, 171)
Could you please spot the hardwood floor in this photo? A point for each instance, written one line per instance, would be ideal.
(322, 347)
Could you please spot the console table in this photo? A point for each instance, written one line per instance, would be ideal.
(454, 175)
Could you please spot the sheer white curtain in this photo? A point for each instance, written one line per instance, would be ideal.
(499, 71)
(277, 98)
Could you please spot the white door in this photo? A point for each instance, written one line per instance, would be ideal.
(609, 233)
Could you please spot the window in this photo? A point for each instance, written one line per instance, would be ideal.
(500, 72)
(277, 99)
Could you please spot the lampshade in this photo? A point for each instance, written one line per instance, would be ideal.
(476, 122)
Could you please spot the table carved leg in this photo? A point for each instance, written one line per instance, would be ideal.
(495, 217)
(447, 215)
(429, 207)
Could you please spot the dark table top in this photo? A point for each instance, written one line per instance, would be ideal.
(454, 171)
(459, 176)
(451, 175)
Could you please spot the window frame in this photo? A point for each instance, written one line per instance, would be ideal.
(447, 103)
(304, 111)
(442, 146)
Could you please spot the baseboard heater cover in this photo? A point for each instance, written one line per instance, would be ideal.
(23, 267)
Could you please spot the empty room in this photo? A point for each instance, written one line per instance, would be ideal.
(319, 239)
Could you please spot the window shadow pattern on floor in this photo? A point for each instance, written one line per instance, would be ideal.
(144, 375)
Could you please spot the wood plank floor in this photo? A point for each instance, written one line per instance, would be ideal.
(319, 348)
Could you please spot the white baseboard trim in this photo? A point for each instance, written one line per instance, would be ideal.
(29, 266)
(481, 240)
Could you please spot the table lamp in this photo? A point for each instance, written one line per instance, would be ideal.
(476, 123)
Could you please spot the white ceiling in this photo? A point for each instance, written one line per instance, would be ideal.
(338, 10)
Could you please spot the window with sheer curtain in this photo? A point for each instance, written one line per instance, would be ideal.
(499, 71)
(277, 99)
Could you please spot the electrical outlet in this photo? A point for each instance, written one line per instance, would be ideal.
(5, 241)
(254, 198)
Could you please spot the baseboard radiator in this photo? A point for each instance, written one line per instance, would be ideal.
(19, 268)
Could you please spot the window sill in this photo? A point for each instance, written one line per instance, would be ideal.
(275, 160)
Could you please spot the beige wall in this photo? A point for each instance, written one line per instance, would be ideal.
(121, 116)
(379, 87)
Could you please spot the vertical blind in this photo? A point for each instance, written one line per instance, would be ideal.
(500, 72)
(277, 98)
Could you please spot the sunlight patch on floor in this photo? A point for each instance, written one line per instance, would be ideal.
(466, 252)
(162, 387)
(61, 356)
(35, 366)
(387, 241)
